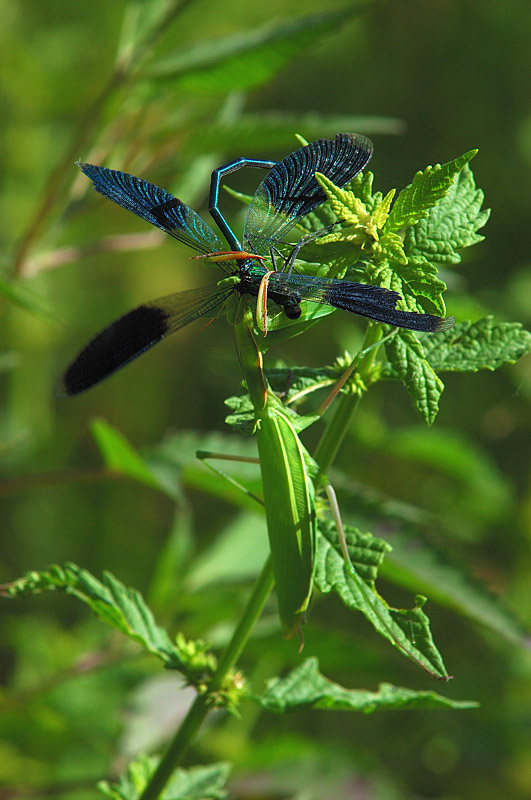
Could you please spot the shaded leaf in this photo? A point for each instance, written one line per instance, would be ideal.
(306, 687)
(246, 59)
(120, 456)
(419, 567)
(471, 346)
(195, 783)
(113, 603)
(407, 629)
(266, 133)
(16, 292)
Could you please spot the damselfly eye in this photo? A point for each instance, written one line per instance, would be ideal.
(292, 312)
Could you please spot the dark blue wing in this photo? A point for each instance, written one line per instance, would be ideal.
(373, 302)
(290, 191)
(156, 206)
(137, 331)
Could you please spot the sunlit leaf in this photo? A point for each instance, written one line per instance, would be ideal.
(450, 225)
(425, 191)
(409, 364)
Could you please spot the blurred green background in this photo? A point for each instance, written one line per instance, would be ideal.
(427, 81)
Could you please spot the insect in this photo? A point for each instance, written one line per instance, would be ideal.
(288, 192)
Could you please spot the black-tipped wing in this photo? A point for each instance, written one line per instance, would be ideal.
(135, 332)
(156, 206)
(290, 189)
(373, 302)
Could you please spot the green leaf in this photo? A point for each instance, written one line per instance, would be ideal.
(365, 550)
(121, 607)
(417, 564)
(449, 226)
(195, 783)
(272, 131)
(420, 288)
(471, 346)
(407, 629)
(119, 456)
(243, 417)
(142, 25)
(409, 364)
(237, 554)
(246, 59)
(306, 687)
(418, 567)
(425, 191)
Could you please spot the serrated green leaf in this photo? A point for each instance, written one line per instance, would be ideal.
(449, 226)
(366, 551)
(131, 785)
(406, 629)
(243, 417)
(406, 357)
(418, 567)
(471, 346)
(418, 285)
(111, 601)
(426, 190)
(195, 783)
(390, 248)
(360, 225)
(246, 59)
(306, 687)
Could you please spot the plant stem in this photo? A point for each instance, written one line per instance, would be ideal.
(337, 428)
(203, 702)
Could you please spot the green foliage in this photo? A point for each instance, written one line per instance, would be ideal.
(197, 783)
(305, 686)
(168, 100)
(450, 225)
(409, 364)
(484, 344)
(245, 60)
(406, 629)
(124, 609)
(424, 192)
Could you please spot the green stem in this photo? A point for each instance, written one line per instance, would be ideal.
(337, 428)
(335, 431)
(203, 702)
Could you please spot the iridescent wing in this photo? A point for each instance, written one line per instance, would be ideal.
(373, 302)
(290, 190)
(156, 206)
(137, 331)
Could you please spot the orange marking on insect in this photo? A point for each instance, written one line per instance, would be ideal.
(262, 297)
(228, 255)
